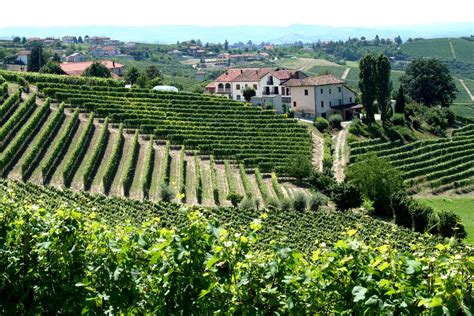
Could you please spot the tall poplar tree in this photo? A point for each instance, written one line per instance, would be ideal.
(368, 86)
(384, 87)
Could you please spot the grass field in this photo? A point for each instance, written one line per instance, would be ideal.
(463, 206)
(319, 70)
(461, 96)
(305, 63)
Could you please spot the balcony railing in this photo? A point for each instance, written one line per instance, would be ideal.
(224, 90)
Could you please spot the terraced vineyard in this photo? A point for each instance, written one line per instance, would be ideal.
(223, 128)
(50, 143)
(435, 165)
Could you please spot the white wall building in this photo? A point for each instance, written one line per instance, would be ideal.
(322, 96)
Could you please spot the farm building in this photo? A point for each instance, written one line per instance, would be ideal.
(23, 56)
(322, 96)
(74, 58)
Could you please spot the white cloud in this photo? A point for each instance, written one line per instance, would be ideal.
(236, 12)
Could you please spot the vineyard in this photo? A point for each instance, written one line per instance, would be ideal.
(303, 230)
(435, 165)
(63, 259)
(150, 140)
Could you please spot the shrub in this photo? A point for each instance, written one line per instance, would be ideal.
(317, 200)
(234, 198)
(378, 180)
(273, 203)
(300, 202)
(346, 196)
(422, 215)
(247, 203)
(286, 204)
(322, 181)
(416, 123)
(392, 134)
(166, 192)
(406, 133)
(357, 128)
(321, 124)
(450, 225)
(335, 121)
(398, 119)
(401, 205)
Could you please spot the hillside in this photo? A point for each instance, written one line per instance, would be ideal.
(449, 49)
(47, 143)
(433, 165)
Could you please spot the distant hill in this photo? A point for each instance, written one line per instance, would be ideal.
(278, 34)
(449, 49)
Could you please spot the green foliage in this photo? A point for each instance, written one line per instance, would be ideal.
(231, 185)
(112, 165)
(276, 186)
(399, 119)
(300, 202)
(335, 121)
(262, 186)
(248, 93)
(377, 180)
(450, 225)
(400, 100)
(316, 201)
(38, 148)
(255, 137)
(49, 165)
(166, 192)
(197, 179)
(165, 165)
(97, 69)
(79, 151)
(245, 182)
(428, 81)
(97, 154)
(321, 124)
(131, 163)
(182, 172)
(234, 198)
(16, 117)
(401, 205)
(384, 87)
(36, 59)
(368, 85)
(346, 196)
(7, 156)
(214, 186)
(131, 75)
(300, 167)
(94, 268)
(148, 171)
(52, 67)
(422, 217)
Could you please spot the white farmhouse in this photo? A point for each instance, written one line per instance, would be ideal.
(23, 56)
(322, 96)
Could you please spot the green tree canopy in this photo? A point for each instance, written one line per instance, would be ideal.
(368, 86)
(384, 87)
(428, 81)
(152, 72)
(378, 180)
(248, 93)
(132, 75)
(37, 58)
(97, 69)
(52, 67)
(400, 100)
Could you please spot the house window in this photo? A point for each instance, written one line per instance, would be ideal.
(238, 98)
(330, 103)
(288, 91)
(305, 91)
(255, 87)
(329, 90)
(246, 85)
(322, 91)
(275, 90)
(339, 89)
(323, 115)
(322, 104)
(294, 104)
(238, 87)
(350, 99)
(340, 101)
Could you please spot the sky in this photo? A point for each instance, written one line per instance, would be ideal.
(357, 13)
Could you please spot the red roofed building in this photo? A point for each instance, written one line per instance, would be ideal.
(77, 69)
(322, 96)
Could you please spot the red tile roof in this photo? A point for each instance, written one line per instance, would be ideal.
(77, 68)
(255, 74)
(314, 81)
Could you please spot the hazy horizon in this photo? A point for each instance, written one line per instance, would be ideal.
(212, 13)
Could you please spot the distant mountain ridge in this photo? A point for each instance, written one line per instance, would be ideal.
(275, 34)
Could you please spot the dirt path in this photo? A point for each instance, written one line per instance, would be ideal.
(452, 49)
(340, 152)
(467, 89)
(318, 152)
(346, 72)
